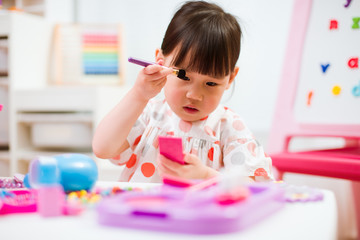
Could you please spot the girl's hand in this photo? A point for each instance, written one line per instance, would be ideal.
(192, 169)
(150, 81)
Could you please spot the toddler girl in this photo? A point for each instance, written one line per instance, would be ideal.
(205, 41)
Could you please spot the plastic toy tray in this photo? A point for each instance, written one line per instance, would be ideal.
(172, 210)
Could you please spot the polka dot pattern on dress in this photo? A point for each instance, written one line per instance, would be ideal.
(238, 125)
(252, 147)
(148, 169)
(137, 140)
(211, 154)
(220, 140)
(260, 172)
(132, 161)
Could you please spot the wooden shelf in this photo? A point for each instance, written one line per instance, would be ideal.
(54, 117)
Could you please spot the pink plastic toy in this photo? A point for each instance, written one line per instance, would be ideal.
(171, 147)
(18, 201)
(177, 181)
(51, 200)
(46, 179)
(237, 194)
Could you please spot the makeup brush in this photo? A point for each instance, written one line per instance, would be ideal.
(180, 73)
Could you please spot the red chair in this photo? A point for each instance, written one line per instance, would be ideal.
(343, 162)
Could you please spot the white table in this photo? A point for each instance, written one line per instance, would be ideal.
(311, 220)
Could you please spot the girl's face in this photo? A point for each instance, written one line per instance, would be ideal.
(194, 99)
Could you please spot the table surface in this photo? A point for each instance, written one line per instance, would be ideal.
(309, 220)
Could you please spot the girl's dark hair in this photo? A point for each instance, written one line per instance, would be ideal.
(206, 36)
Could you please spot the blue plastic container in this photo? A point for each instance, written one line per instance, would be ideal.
(73, 171)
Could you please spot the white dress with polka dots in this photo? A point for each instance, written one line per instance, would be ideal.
(219, 140)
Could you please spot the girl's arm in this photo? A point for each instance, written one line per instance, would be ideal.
(111, 134)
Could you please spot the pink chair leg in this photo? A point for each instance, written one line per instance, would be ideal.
(356, 194)
(278, 175)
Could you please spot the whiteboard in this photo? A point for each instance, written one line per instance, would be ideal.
(328, 90)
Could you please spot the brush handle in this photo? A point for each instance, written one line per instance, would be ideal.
(179, 73)
(140, 62)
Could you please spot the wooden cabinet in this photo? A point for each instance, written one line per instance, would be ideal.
(25, 42)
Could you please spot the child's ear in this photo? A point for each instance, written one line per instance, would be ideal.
(232, 77)
(159, 57)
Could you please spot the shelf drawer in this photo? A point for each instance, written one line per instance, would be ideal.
(56, 99)
(61, 135)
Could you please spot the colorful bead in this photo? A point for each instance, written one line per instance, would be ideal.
(91, 198)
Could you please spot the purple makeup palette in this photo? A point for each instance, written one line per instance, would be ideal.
(177, 210)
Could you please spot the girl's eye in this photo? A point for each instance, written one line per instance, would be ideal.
(211, 84)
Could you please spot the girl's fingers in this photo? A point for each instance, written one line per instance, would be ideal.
(156, 71)
(168, 163)
(171, 165)
(190, 158)
(151, 69)
(165, 170)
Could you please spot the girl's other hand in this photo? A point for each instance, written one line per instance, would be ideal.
(192, 169)
(150, 81)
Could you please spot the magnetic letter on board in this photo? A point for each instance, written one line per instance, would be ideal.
(353, 62)
(356, 23)
(356, 90)
(347, 4)
(324, 67)
(333, 24)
